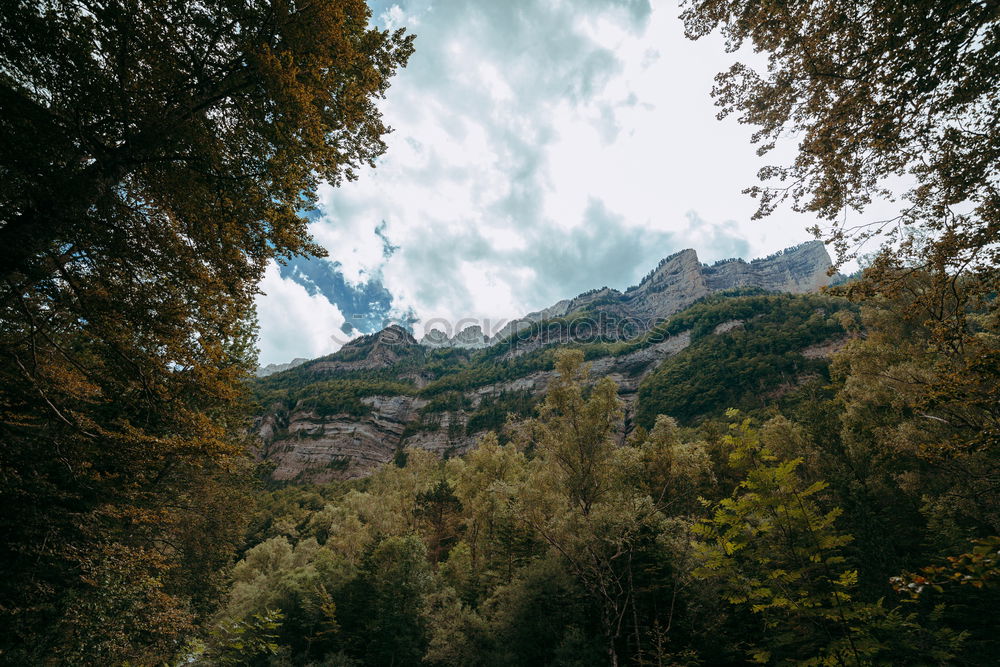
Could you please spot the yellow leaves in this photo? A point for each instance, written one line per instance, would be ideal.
(813, 488)
(847, 579)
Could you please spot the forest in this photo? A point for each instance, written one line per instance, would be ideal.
(764, 506)
(856, 528)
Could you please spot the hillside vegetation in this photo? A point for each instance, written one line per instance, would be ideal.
(649, 479)
(849, 521)
(746, 366)
(761, 354)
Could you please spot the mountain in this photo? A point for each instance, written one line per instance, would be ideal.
(271, 369)
(728, 334)
(678, 281)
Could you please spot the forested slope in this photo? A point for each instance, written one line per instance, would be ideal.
(342, 415)
(843, 520)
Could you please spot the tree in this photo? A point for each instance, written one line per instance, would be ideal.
(205, 125)
(437, 510)
(774, 550)
(383, 607)
(579, 494)
(153, 158)
(494, 541)
(921, 442)
(935, 415)
(878, 92)
(874, 91)
(242, 642)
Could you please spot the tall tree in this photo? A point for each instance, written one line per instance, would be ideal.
(881, 92)
(579, 494)
(129, 125)
(154, 156)
(874, 90)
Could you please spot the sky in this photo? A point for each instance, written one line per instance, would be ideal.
(541, 148)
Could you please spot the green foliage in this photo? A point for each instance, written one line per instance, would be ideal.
(382, 606)
(979, 567)
(542, 617)
(775, 551)
(410, 358)
(450, 401)
(330, 397)
(493, 412)
(746, 365)
(155, 158)
(719, 544)
(242, 642)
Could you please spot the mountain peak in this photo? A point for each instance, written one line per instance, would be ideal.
(676, 282)
(393, 334)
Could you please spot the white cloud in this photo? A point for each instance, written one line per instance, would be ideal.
(293, 323)
(544, 148)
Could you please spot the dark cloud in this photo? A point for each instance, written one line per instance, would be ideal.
(717, 240)
(602, 251)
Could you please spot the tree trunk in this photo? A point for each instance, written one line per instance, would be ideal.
(609, 637)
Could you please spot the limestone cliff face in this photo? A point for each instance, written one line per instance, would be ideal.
(676, 283)
(307, 447)
(796, 270)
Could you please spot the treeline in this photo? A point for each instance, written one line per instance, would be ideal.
(860, 528)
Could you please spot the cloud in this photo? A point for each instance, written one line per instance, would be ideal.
(462, 195)
(366, 304)
(293, 322)
(541, 148)
(475, 277)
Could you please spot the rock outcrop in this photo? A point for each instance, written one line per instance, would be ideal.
(271, 369)
(797, 270)
(471, 338)
(378, 350)
(677, 282)
(307, 447)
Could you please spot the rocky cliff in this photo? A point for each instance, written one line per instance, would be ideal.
(372, 352)
(305, 445)
(342, 415)
(677, 282)
(271, 369)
